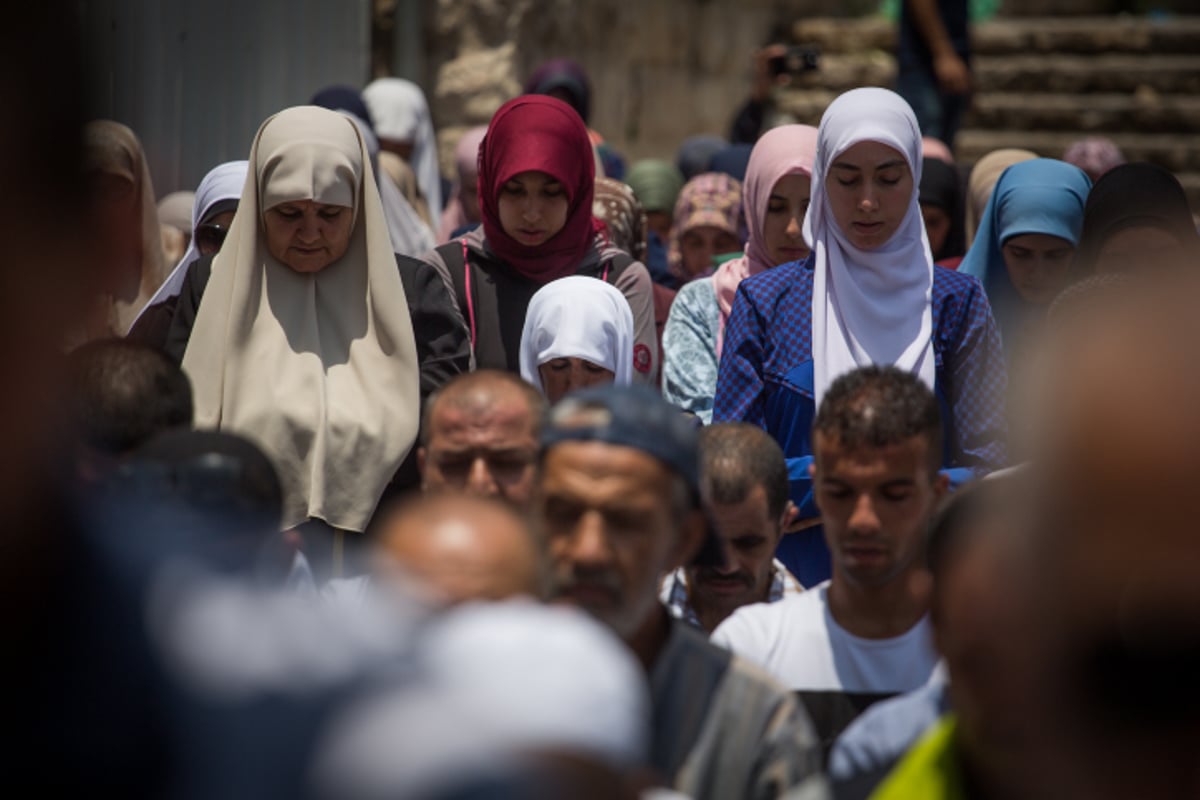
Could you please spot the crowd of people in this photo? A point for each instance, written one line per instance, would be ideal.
(810, 466)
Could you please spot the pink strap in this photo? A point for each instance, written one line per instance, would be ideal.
(604, 277)
(467, 285)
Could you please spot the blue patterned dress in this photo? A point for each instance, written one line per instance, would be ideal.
(766, 378)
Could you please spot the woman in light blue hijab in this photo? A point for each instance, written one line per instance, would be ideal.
(1026, 242)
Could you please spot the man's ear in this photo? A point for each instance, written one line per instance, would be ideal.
(790, 513)
(421, 463)
(691, 537)
(941, 485)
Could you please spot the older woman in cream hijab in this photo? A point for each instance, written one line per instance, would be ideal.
(302, 341)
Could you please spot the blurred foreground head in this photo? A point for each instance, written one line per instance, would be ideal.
(123, 393)
(1117, 462)
(461, 547)
(507, 700)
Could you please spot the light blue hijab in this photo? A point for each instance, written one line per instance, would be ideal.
(1039, 196)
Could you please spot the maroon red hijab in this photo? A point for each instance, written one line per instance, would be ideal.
(544, 134)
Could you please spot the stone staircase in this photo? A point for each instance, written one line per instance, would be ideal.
(1041, 83)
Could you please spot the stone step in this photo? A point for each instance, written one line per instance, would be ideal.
(1026, 74)
(1143, 111)
(1074, 74)
(1140, 112)
(1012, 36)
(1176, 152)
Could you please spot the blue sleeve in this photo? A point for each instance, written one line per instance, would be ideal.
(740, 384)
(976, 386)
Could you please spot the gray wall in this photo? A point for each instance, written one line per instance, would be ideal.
(195, 78)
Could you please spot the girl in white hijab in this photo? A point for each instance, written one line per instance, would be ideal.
(868, 294)
(402, 121)
(302, 341)
(578, 332)
(873, 271)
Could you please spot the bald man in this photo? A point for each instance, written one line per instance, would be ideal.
(463, 548)
(480, 436)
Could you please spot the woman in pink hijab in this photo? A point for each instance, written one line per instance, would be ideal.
(776, 196)
(463, 209)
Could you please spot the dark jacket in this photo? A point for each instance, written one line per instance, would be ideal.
(495, 306)
(443, 345)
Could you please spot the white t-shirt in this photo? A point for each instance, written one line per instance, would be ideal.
(837, 674)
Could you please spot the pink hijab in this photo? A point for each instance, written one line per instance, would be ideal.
(466, 161)
(786, 150)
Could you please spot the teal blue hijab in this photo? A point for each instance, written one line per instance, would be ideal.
(1039, 196)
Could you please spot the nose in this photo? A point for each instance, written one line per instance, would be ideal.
(309, 228)
(795, 226)
(575, 376)
(480, 481)
(866, 200)
(588, 545)
(864, 519)
(532, 210)
(730, 565)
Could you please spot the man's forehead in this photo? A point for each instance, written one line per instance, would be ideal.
(830, 450)
(509, 413)
(604, 460)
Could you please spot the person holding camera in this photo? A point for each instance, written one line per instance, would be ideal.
(774, 65)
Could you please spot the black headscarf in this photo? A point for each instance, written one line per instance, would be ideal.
(1133, 196)
(941, 186)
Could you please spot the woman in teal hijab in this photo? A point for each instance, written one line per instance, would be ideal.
(1026, 242)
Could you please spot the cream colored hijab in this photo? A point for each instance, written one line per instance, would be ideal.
(319, 369)
(112, 148)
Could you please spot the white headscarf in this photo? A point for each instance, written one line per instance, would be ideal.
(318, 369)
(223, 182)
(410, 235)
(491, 683)
(400, 112)
(578, 317)
(869, 306)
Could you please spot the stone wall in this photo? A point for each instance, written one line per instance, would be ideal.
(661, 69)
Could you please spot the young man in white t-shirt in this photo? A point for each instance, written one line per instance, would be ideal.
(863, 635)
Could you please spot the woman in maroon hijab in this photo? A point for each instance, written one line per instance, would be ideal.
(536, 186)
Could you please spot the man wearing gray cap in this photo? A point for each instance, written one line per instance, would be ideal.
(619, 500)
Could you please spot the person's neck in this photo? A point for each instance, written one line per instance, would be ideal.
(710, 617)
(880, 612)
(648, 640)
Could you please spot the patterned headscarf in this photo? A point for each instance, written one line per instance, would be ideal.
(616, 206)
(712, 198)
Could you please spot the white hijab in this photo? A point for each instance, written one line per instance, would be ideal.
(320, 369)
(400, 112)
(578, 317)
(869, 306)
(410, 235)
(223, 182)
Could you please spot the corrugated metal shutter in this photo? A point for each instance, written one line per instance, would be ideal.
(195, 78)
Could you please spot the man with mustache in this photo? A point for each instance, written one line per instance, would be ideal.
(745, 478)
(864, 635)
(619, 503)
